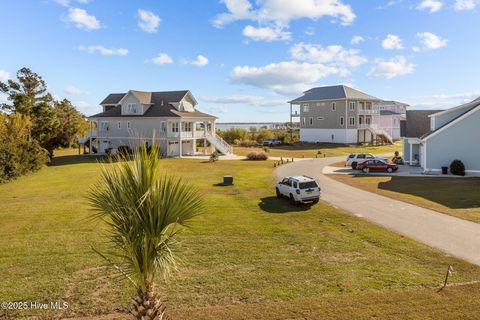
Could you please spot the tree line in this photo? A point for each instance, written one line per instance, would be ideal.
(253, 136)
(33, 124)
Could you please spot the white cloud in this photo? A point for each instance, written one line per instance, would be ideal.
(462, 5)
(431, 5)
(104, 51)
(357, 40)
(215, 109)
(81, 104)
(72, 90)
(391, 68)
(310, 31)
(334, 55)
(82, 19)
(288, 77)
(431, 41)
(242, 99)
(66, 3)
(4, 75)
(392, 42)
(266, 33)
(148, 21)
(162, 58)
(201, 61)
(279, 13)
(439, 101)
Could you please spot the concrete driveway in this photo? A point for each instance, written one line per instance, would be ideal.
(452, 235)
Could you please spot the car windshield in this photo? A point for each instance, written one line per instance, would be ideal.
(308, 185)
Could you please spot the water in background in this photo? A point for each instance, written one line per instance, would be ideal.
(243, 125)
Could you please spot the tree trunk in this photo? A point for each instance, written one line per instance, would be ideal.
(146, 305)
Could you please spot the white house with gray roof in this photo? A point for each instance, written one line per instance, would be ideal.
(340, 114)
(434, 138)
(137, 116)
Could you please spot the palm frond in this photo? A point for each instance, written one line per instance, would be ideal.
(144, 209)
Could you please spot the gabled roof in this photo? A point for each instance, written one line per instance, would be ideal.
(338, 92)
(161, 105)
(418, 123)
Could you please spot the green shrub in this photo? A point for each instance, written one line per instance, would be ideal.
(457, 168)
(20, 158)
(214, 156)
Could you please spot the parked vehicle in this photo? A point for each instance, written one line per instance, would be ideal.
(377, 165)
(298, 189)
(272, 142)
(355, 158)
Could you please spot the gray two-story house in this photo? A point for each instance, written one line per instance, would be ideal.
(135, 117)
(338, 114)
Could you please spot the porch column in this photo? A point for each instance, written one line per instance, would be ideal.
(411, 153)
(180, 138)
(90, 137)
(205, 138)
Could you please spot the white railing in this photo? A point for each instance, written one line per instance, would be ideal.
(373, 128)
(220, 144)
(368, 111)
(187, 134)
(199, 134)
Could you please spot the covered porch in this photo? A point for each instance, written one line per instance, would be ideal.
(412, 151)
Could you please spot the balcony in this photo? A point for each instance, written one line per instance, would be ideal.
(372, 112)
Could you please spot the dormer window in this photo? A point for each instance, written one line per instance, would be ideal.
(132, 108)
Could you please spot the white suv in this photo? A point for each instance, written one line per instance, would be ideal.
(298, 189)
(356, 158)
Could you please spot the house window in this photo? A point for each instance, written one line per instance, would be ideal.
(360, 120)
(163, 126)
(351, 106)
(132, 108)
(305, 108)
(174, 126)
(104, 126)
(342, 121)
(186, 126)
(128, 125)
(320, 118)
(303, 121)
(351, 121)
(318, 104)
(334, 106)
(311, 121)
(119, 125)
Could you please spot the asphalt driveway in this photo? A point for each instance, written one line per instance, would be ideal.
(452, 235)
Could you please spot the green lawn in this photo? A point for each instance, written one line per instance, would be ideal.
(327, 150)
(459, 197)
(252, 256)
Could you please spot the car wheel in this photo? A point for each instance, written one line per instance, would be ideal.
(354, 165)
(365, 170)
(389, 170)
(279, 195)
(292, 199)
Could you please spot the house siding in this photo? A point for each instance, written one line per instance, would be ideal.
(460, 141)
(443, 119)
(331, 119)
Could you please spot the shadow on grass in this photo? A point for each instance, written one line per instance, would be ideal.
(80, 159)
(280, 205)
(450, 192)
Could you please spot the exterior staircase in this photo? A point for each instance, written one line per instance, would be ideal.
(378, 132)
(221, 145)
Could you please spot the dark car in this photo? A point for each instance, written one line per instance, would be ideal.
(377, 165)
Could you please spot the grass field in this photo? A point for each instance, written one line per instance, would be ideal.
(327, 150)
(429, 192)
(252, 256)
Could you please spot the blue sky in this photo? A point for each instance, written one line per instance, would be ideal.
(243, 59)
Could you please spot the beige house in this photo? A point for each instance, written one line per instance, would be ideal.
(338, 114)
(136, 117)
